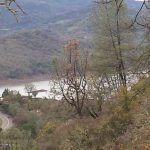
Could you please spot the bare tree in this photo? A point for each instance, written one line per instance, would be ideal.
(116, 41)
(29, 88)
(111, 38)
(142, 23)
(139, 18)
(12, 6)
(71, 73)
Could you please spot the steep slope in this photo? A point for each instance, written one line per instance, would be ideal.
(27, 53)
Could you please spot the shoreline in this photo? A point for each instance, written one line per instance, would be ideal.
(24, 80)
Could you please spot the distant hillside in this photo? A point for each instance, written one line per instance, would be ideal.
(48, 13)
(27, 53)
(42, 13)
(27, 47)
(30, 51)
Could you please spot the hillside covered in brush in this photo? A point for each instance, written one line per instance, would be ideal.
(28, 46)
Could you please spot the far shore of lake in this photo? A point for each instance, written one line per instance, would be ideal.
(24, 80)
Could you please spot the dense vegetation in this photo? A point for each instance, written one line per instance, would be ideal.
(27, 53)
(43, 29)
(53, 125)
(105, 101)
(28, 46)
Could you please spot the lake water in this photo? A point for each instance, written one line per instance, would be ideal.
(46, 85)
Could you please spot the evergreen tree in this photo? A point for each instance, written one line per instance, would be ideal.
(5, 93)
(113, 40)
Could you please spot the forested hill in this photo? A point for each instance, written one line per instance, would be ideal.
(43, 13)
(28, 46)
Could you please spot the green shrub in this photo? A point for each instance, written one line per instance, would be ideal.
(5, 108)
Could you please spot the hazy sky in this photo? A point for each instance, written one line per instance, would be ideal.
(140, 0)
